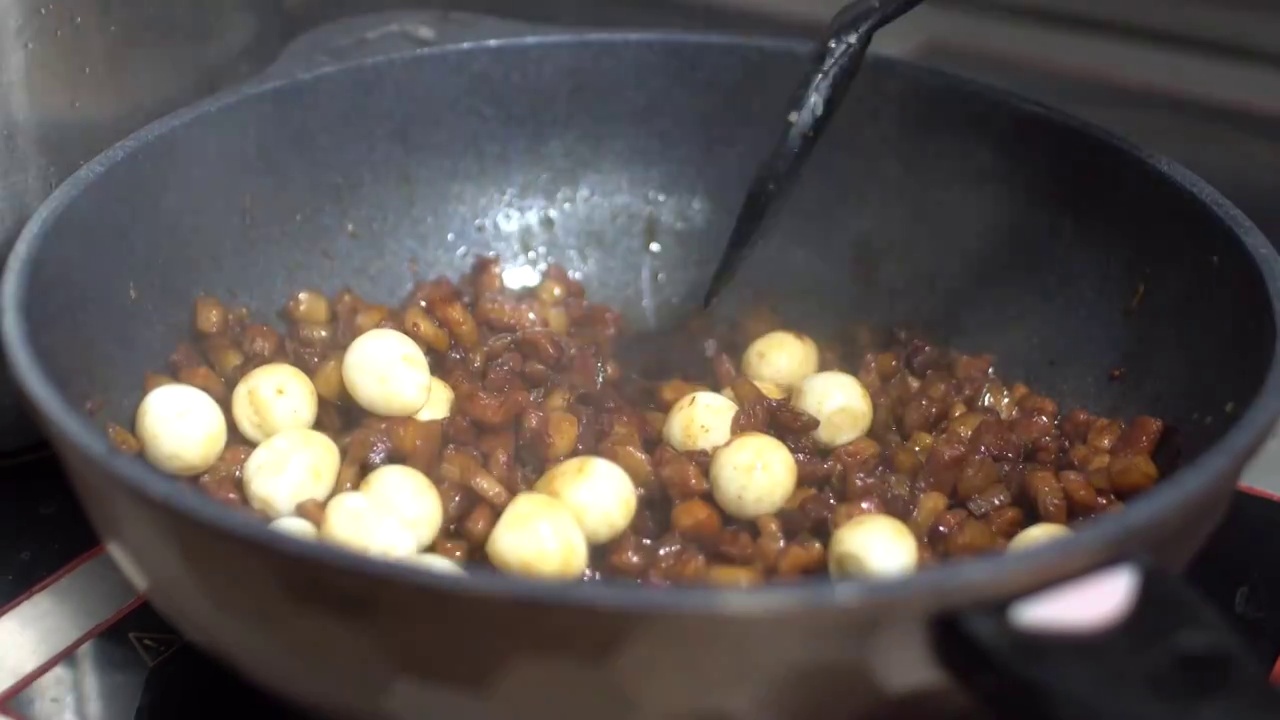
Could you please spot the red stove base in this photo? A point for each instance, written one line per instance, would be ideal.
(108, 655)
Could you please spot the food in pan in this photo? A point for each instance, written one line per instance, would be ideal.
(473, 425)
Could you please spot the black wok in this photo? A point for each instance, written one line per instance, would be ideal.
(986, 221)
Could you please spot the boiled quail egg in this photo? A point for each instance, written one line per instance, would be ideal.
(439, 403)
(781, 357)
(291, 467)
(773, 391)
(386, 373)
(181, 428)
(537, 536)
(598, 492)
(436, 563)
(295, 526)
(271, 398)
(752, 475)
(1038, 534)
(873, 546)
(403, 493)
(354, 521)
(701, 420)
(840, 403)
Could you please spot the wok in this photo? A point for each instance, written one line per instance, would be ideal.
(979, 218)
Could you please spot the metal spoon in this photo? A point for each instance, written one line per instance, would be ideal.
(836, 63)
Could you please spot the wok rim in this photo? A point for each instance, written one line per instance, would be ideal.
(946, 585)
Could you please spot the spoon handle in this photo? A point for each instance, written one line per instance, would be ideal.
(835, 64)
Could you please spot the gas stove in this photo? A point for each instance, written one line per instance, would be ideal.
(79, 644)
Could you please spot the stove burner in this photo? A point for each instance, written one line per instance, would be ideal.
(79, 644)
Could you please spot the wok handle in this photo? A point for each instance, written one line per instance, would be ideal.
(1170, 657)
(391, 33)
